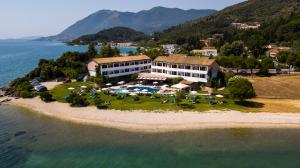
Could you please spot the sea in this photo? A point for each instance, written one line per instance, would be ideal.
(31, 140)
(18, 57)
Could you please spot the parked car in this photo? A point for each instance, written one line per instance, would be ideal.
(61, 79)
(80, 79)
(67, 81)
(40, 88)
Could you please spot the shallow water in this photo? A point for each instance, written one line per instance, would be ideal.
(28, 140)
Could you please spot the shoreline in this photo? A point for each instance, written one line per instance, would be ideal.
(156, 122)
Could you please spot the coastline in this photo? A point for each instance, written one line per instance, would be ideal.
(155, 122)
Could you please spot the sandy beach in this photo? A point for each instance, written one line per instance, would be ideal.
(159, 121)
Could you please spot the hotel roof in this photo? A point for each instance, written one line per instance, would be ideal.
(184, 59)
(121, 59)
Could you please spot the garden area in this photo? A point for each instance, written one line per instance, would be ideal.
(80, 94)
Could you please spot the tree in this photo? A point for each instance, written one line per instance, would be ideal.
(252, 63)
(106, 51)
(240, 88)
(266, 64)
(236, 48)
(92, 52)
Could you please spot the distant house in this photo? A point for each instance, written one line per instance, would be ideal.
(245, 26)
(191, 68)
(207, 51)
(273, 50)
(119, 66)
(121, 45)
(170, 48)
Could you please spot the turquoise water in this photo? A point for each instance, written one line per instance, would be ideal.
(140, 89)
(18, 57)
(28, 140)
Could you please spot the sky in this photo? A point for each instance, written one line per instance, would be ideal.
(23, 18)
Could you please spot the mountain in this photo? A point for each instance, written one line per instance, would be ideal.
(116, 34)
(279, 21)
(147, 21)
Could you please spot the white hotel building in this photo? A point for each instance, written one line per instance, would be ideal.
(120, 66)
(191, 68)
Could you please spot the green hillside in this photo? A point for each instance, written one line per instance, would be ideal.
(116, 34)
(280, 22)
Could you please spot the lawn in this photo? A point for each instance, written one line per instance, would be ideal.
(147, 103)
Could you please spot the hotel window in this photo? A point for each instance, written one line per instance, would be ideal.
(159, 71)
(181, 67)
(174, 73)
(153, 63)
(127, 64)
(137, 68)
(180, 74)
(104, 66)
(116, 65)
(159, 64)
(202, 76)
(136, 63)
(195, 75)
(104, 73)
(187, 74)
(127, 70)
(122, 71)
(116, 71)
(164, 65)
(145, 62)
(110, 72)
(145, 67)
(131, 63)
(196, 68)
(132, 69)
(203, 68)
(165, 71)
(110, 65)
(149, 61)
(141, 62)
(154, 70)
(122, 64)
(174, 66)
(188, 67)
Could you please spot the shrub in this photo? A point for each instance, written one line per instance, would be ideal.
(46, 96)
(99, 103)
(136, 98)
(76, 100)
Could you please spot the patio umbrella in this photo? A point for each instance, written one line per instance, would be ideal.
(145, 90)
(219, 96)
(121, 83)
(136, 89)
(155, 83)
(108, 84)
(194, 92)
(83, 87)
(132, 94)
(71, 88)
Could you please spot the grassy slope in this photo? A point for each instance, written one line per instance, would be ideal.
(280, 87)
